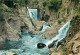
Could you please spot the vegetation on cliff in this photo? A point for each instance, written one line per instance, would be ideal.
(14, 20)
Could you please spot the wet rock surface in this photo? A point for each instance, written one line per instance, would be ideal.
(40, 45)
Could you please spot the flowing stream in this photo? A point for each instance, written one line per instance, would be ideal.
(28, 45)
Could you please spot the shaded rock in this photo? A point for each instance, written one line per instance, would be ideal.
(27, 22)
(76, 43)
(24, 28)
(40, 45)
(77, 54)
(15, 23)
(2, 30)
(9, 53)
(10, 27)
(52, 44)
(11, 34)
(45, 18)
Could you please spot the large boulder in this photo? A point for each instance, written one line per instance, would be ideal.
(38, 24)
(50, 32)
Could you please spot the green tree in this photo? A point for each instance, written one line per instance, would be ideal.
(44, 3)
(54, 4)
(1, 13)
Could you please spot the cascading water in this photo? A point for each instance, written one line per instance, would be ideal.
(28, 44)
(45, 26)
(33, 13)
(29, 47)
(62, 34)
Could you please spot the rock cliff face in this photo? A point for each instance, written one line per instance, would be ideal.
(2, 32)
(9, 31)
(17, 20)
(11, 27)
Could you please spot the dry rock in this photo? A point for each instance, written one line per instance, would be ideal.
(38, 24)
(9, 53)
(70, 54)
(52, 50)
(77, 54)
(35, 32)
(59, 47)
(79, 50)
(56, 53)
(50, 33)
(76, 43)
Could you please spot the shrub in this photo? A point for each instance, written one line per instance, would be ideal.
(1, 13)
(12, 3)
(44, 3)
(9, 3)
(59, 21)
(75, 1)
(27, 2)
(54, 4)
(35, 2)
(1, 18)
(46, 18)
(64, 48)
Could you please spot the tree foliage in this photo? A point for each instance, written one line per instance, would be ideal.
(13, 3)
(53, 4)
(44, 3)
(1, 13)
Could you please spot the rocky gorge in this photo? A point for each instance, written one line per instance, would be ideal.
(14, 21)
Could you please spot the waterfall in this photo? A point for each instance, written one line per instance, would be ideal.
(45, 26)
(33, 13)
(28, 44)
(62, 34)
